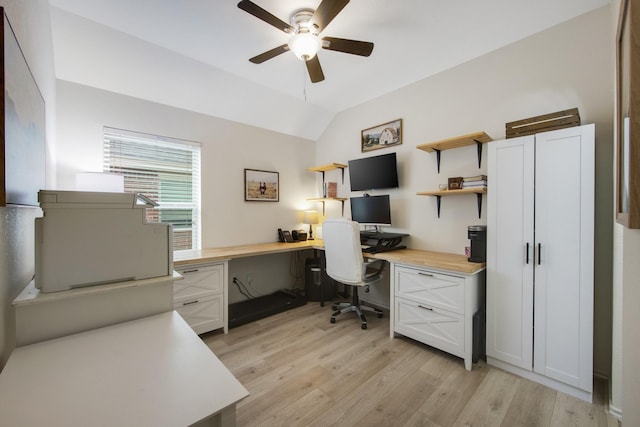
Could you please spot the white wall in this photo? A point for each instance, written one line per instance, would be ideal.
(227, 148)
(630, 322)
(566, 66)
(31, 24)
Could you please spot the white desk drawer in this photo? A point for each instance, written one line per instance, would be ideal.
(203, 315)
(438, 328)
(198, 282)
(433, 289)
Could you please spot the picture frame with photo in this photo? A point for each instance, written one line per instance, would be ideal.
(381, 136)
(261, 186)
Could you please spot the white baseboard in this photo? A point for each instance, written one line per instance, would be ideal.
(616, 412)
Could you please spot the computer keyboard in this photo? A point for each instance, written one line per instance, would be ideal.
(377, 249)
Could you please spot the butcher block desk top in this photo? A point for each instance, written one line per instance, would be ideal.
(410, 257)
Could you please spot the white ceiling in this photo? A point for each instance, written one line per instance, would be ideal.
(201, 48)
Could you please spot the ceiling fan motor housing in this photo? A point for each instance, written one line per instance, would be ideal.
(300, 20)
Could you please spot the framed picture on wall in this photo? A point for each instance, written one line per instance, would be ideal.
(381, 136)
(261, 186)
(628, 115)
(22, 125)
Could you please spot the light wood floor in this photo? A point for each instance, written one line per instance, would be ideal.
(301, 370)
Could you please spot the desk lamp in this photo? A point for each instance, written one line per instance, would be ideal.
(310, 217)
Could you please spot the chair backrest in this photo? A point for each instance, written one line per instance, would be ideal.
(343, 250)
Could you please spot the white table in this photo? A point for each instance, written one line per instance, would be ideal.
(45, 316)
(153, 371)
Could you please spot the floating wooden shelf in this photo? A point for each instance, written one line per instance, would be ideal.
(478, 191)
(324, 199)
(477, 138)
(329, 199)
(329, 167)
(469, 190)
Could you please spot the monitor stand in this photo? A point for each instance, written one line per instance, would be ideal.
(379, 238)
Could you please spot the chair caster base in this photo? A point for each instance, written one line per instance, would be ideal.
(333, 320)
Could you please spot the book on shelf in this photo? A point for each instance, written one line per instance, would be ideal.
(475, 178)
(332, 189)
(474, 184)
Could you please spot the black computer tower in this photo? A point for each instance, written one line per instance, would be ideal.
(318, 286)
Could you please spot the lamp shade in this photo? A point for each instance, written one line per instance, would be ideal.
(305, 45)
(310, 217)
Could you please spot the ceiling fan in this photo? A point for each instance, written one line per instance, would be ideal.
(305, 26)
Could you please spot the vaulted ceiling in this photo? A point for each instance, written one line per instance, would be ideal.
(193, 54)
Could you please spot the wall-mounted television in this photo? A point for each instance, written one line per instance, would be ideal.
(371, 173)
(371, 210)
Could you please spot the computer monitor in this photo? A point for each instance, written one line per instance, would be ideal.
(371, 210)
(372, 173)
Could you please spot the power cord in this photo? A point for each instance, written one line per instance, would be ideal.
(243, 288)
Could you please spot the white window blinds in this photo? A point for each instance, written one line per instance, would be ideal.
(165, 170)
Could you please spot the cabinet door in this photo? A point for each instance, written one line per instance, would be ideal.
(199, 281)
(430, 289)
(509, 267)
(564, 250)
(203, 315)
(441, 329)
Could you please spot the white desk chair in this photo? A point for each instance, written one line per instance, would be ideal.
(345, 264)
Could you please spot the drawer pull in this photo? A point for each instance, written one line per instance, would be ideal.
(425, 274)
(191, 271)
(426, 308)
(191, 302)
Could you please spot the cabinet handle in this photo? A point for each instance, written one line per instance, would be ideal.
(190, 271)
(539, 252)
(425, 274)
(426, 308)
(527, 252)
(191, 302)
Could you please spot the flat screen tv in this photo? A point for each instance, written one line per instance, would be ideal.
(371, 173)
(371, 210)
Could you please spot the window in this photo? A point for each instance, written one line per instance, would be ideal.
(165, 170)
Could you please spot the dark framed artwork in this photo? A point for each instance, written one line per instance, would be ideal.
(627, 116)
(261, 186)
(22, 125)
(381, 136)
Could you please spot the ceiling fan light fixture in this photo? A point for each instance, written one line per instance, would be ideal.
(305, 45)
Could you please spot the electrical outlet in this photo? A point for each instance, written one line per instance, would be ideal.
(249, 278)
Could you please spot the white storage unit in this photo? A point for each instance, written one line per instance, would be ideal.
(540, 232)
(436, 307)
(201, 297)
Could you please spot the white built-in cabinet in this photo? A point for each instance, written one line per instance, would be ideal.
(201, 296)
(540, 249)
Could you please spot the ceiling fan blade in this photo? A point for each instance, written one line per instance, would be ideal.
(315, 70)
(259, 59)
(325, 13)
(354, 47)
(260, 13)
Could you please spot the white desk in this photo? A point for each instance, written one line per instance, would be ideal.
(433, 299)
(153, 371)
(44, 316)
